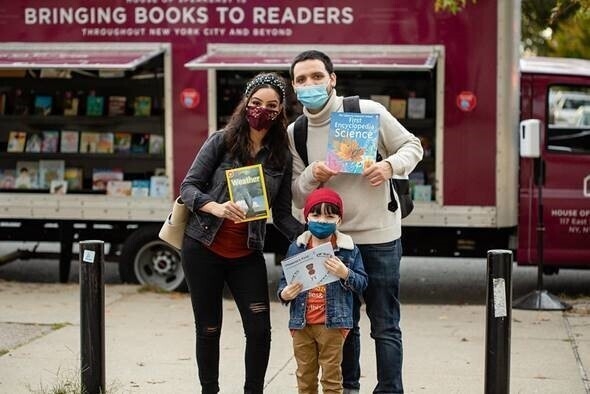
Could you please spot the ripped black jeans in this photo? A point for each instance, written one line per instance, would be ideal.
(206, 273)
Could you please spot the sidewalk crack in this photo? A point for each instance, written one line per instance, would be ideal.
(574, 345)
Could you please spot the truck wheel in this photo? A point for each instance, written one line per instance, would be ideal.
(148, 260)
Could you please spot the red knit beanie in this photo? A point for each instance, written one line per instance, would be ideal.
(319, 196)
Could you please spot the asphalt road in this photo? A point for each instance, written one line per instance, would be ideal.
(424, 280)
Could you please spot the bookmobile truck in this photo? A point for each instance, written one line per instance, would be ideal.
(456, 81)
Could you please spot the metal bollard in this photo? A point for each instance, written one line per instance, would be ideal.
(92, 345)
(498, 319)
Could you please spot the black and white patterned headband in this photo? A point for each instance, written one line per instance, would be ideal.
(265, 79)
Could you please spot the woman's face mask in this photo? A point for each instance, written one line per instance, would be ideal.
(313, 96)
(260, 118)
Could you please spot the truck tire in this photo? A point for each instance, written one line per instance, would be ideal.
(148, 260)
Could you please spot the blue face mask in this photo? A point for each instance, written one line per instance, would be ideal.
(321, 230)
(312, 96)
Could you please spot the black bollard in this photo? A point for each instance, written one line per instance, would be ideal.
(92, 345)
(498, 318)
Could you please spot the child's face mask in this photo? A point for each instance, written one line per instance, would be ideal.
(321, 230)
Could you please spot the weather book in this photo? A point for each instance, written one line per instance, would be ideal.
(247, 189)
(352, 141)
(308, 267)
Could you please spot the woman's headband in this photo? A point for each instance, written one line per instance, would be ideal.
(266, 79)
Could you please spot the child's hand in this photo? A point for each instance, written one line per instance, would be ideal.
(335, 266)
(291, 291)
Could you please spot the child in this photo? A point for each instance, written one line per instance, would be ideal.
(320, 318)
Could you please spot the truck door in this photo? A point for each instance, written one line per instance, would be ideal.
(563, 106)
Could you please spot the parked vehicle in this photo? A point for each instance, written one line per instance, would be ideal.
(456, 81)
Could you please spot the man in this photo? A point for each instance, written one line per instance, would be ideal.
(374, 228)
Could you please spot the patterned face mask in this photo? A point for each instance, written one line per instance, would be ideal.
(260, 118)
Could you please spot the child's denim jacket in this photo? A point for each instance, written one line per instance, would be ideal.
(339, 293)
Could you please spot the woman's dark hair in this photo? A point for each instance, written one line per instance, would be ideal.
(326, 208)
(237, 131)
(312, 55)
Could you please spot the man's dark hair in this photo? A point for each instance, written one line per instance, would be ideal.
(312, 55)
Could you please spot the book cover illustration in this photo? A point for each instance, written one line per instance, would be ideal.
(27, 175)
(140, 142)
(122, 142)
(308, 267)
(50, 141)
(397, 107)
(142, 106)
(58, 186)
(159, 186)
(34, 141)
(247, 189)
(69, 141)
(70, 104)
(73, 176)
(352, 141)
(416, 108)
(101, 177)
(42, 105)
(50, 170)
(119, 188)
(89, 141)
(382, 99)
(16, 141)
(94, 105)
(140, 188)
(156, 144)
(105, 143)
(7, 179)
(117, 105)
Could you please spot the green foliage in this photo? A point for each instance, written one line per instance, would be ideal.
(451, 6)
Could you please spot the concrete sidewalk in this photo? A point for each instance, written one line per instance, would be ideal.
(150, 345)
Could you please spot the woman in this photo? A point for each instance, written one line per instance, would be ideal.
(217, 247)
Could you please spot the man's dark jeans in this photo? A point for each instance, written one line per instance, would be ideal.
(382, 264)
(246, 278)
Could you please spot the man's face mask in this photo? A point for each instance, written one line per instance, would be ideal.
(312, 96)
(260, 118)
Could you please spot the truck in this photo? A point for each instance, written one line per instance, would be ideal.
(456, 81)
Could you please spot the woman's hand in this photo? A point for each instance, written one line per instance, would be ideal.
(228, 210)
(336, 267)
(291, 291)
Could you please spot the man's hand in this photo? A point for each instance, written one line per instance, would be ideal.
(378, 173)
(335, 266)
(321, 172)
(291, 291)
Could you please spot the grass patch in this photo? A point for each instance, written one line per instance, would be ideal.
(57, 326)
(69, 383)
(3, 352)
(152, 289)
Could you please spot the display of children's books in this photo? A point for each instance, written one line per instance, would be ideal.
(70, 104)
(122, 142)
(74, 177)
(50, 170)
(119, 188)
(308, 267)
(89, 141)
(69, 141)
(105, 143)
(27, 175)
(117, 105)
(159, 186)
(16, 141)
(140, 188)
(58, 186)
(142, 106)
(94, 105)
(156, 144)
(352, 141)
(34, 141)
(7, 179)
(247, 189)
(43, 105)
(140, 142)
(50, 141)
(397, 107)
(101, 176)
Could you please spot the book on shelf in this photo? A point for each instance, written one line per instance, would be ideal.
(308, 267)
(34, 141)
(122, 142)
(247, 189)
(42, 105)
(16, 141)
(94, 105)
(69, 141)
(382, 99)
(117, 105)
(50, 170)
(7, 178)
(21, 101)
(101, 176)
(140, 187)
(142, 106)
(3, 103)
(156, 144)
(105, 143)
(50, 141)
(70, 104)
(352, 141)
(74, 177)
(416, 107)
(159, 186)
(119, 188)
(422, 193)
(27, 174)
(58, 186)
(89, 141)
(140, 142)
(397, 107)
